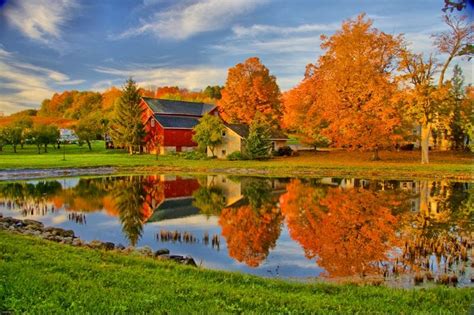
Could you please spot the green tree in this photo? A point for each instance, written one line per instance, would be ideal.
(3, 138)
(16, 131)
(208, 133)
(43, 135)
(213, 92)
(209, 200)
(257, 144)
(460, 120)
(89, 127)
(127, 127)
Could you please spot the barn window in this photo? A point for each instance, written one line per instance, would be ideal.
(152, 123)
(223, 133)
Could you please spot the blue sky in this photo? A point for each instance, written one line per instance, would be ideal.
(56, 45)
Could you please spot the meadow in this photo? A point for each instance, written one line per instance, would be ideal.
(403, 164)
(39, 276)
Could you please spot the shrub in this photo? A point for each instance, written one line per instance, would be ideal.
(194, 155)
(283, 151)
(235, 156)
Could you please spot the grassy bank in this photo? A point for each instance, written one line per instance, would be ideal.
(337, 163)
(40, 276)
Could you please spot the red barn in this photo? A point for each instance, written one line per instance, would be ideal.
(169, 124)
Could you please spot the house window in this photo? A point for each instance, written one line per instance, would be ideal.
(152, 123)
(223, 133)
(223, 152)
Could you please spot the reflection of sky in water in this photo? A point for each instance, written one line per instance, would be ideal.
(287, 257)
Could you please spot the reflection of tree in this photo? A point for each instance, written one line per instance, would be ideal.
(251, 230)
(437, 239)
(86, 196)
(349, 231)
(250, 234)
(209, 200)
(40, 192)
(129, 196)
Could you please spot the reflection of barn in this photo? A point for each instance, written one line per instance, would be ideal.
(175, 200)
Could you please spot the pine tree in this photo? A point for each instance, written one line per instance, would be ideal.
(127, 126)
(258, 144)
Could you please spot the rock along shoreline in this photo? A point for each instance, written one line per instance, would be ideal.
(67, 237)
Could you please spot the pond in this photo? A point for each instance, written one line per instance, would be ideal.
(331, 229)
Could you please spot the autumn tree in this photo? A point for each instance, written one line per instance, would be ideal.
(456, 41)
(250, 89)
(427, 102)
(127, 127)
(349, 91)
(302, 116)
(208, 132)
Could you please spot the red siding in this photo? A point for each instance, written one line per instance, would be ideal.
(179, 138)
(181, 187)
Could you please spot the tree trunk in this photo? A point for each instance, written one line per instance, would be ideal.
(45, 148)
(14, 148)
(130, 150)
(1, 148)
(39, 148)
(425, 142)
(89, 145)
(375, 155)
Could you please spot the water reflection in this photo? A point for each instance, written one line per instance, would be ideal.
(346, 227)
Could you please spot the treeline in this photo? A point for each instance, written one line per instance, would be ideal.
(88, 113)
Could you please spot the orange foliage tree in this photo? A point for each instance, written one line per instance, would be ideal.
(349, 91)
(349, 231)
(250, 89)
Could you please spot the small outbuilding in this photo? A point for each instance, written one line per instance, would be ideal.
(233, 139)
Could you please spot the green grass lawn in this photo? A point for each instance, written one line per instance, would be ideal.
(393, 164)
(38, 276)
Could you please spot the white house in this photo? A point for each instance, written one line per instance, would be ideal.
(233, 139)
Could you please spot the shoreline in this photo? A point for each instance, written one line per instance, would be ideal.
(14, 174)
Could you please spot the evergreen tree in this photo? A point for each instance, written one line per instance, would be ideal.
(127, 127)
(258, 144)
(459, 119)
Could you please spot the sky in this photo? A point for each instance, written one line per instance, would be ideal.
(49, 46)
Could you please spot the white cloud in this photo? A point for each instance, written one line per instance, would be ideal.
(259, 29)
(24, 85)
(39, 20)
(192, 78)
(194, 17)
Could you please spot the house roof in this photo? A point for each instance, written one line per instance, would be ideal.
(171, 107)
(243, 131)
(179, 122)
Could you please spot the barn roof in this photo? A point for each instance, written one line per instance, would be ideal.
(172, 107)
(243, 131)
(178, 122)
